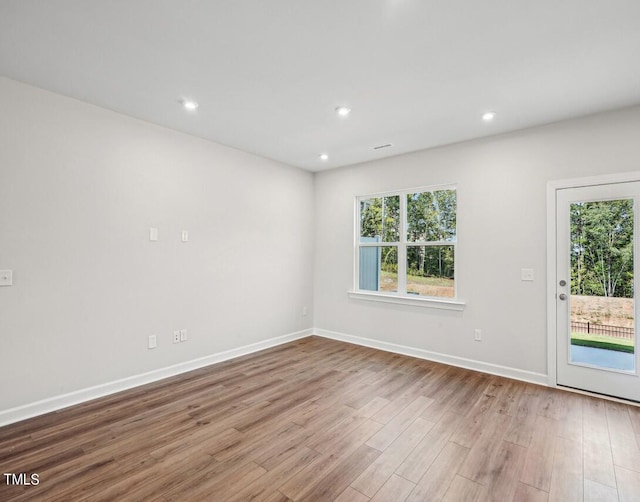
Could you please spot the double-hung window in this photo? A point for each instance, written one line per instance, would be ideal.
(406, 244)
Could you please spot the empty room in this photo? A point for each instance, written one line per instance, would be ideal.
(357, 250)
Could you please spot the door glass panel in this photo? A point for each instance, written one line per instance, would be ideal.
(602, 294)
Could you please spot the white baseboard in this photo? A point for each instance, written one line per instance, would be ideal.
(80, 396)
(461, 362)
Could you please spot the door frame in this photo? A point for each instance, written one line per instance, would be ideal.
(552, 188)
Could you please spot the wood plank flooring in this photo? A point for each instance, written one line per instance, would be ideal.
(319, 420)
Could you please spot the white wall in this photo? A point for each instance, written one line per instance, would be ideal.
(501, 229)
(79, 188)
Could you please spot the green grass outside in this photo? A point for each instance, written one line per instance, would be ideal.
(417, 279)
(430, 281)
(602, 342)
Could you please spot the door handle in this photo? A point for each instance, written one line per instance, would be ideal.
(562, 296)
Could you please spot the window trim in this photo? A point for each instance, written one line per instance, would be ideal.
(427, 301)
(454, 303)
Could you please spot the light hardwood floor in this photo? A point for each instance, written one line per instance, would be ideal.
(321, 420)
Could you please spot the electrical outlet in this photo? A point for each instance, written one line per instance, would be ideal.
(477, 335)
(153, 341)
(176, 336)
(183, 335)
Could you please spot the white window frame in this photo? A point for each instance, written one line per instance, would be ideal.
(402, 297)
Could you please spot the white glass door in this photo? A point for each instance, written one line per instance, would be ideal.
(596, 267)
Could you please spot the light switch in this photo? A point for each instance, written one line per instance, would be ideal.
(185, 236)
(527, 274)
(153, 234)
(6, 277)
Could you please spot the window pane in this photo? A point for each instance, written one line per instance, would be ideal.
(430, 271)
(379, 268)
(379, 219)
(431, 216)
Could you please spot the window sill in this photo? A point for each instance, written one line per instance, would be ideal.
(434, 303)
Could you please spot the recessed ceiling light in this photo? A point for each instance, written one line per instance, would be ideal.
(189, 104)
(324, 157)
(488, 116)
(343, 111)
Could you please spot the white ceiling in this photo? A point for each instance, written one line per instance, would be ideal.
(268, 74)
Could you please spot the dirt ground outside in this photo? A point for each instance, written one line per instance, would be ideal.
(603, 310)
(424, 286)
